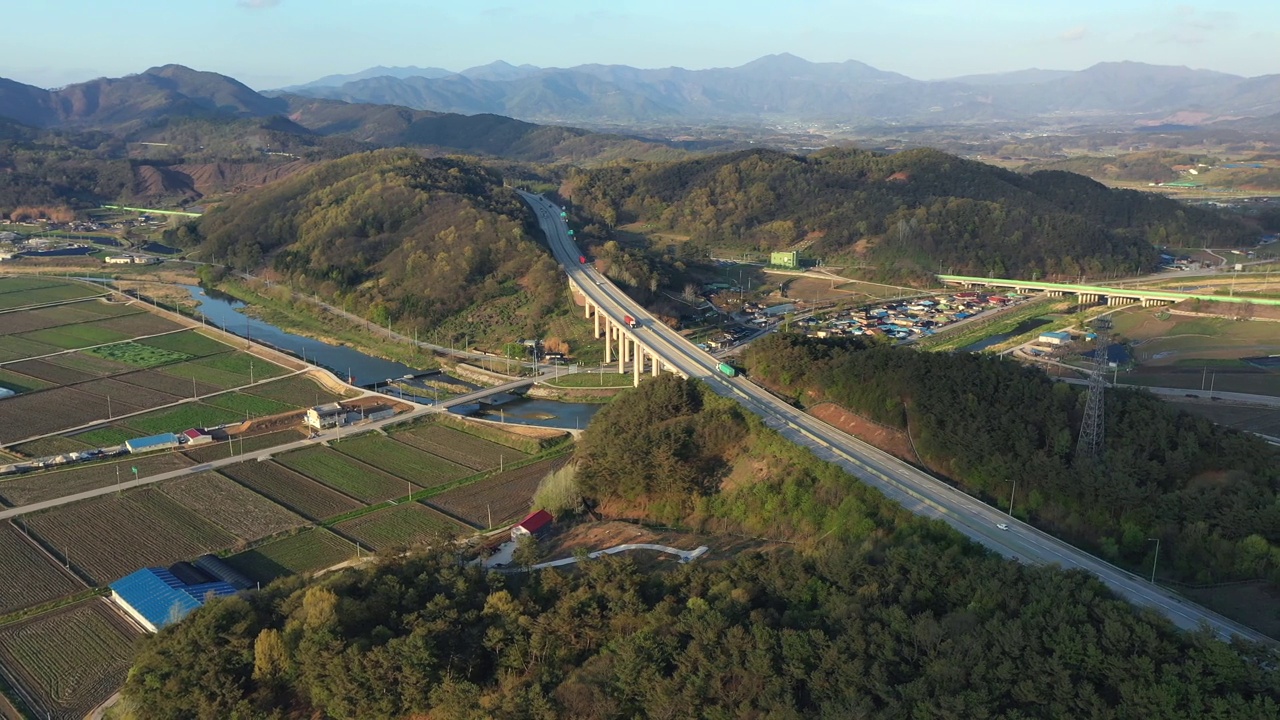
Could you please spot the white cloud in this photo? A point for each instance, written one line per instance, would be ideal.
(1075, 34)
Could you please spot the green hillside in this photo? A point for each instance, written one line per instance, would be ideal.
(905, 213)
(391, 236)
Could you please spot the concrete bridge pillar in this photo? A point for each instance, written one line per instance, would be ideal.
(656, 363)
(636, 366)
(597, 317)
(586, 307)
(622, 350)
(608, 340)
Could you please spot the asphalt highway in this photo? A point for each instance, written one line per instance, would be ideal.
(913, 489)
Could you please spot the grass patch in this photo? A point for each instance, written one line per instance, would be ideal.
(297, 390)
(225, 371)
(306, 552)
(401, 526)
(16, 348)
(250, 405)
(590, 380)
(137, 354)
(190, 415)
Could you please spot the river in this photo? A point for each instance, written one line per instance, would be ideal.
(224, 311)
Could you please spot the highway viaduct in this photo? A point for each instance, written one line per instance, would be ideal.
(1098, 293)
(620, 343)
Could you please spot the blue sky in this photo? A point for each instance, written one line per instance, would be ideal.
(271, 43)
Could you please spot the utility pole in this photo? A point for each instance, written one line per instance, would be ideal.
(1154, 560)
(1012, 493)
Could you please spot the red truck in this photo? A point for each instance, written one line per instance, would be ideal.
(630, 321)
(582, 259)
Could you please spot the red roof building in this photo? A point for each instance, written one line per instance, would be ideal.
(196, 436)
(536, 524)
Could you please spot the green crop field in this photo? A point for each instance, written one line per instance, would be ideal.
(18, 382)
(218, 377)
(140, 324)
(401, 460)
(345, 474)
(299, 391)
(306, 552)
(182, 417)
(108, 436)
(239, 363)
(68, 661)
(49, 372)
(70, 337)
(459, 447)
(190, 343)
(110, 536)
(249, 405)
(288, 488)
(16, 348)
(401, 526)
(85, 362)
(137, 354)
(22, 321)
(19, 283)
(42, 580)
(502, 497)
(524, 444)
(231, 506)
(47, 446)
(43, 295)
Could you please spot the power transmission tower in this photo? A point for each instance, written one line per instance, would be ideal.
(1091, 428)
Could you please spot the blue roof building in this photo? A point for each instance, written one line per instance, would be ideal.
(155, 597)
(164, 441)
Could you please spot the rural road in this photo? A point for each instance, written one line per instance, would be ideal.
(266, 453)
(915, 490)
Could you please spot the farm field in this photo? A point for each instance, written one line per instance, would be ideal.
(190, 342)
(42, 580)
(174, 385)
(107, 436)
(110, 536)
(216, 451)
(116, 388)
(403, 461)
(82, 361)
(45, 447)
(507, 495)
(16, 348)
(20, 321)
(296, 492)
(400, 526)
(29, 415)
(137, 354)
(217, 377)
(70, 337)
(531, 441)
(20, 383)
(231, 506)
(46, 294)
(306, 552)
(182, 417)
(140, 324)
(249, 405)
(345, 474)
(49, 372)
(297, 390)
(459, 447)
(47, 485)
(70, 660)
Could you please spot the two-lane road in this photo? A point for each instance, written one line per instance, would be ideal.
(915, 490)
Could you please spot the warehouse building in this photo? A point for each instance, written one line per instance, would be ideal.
(327, 416)
(156, 596)
(164, 441)
(1061, 337)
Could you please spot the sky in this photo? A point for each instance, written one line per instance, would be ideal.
(274, 43)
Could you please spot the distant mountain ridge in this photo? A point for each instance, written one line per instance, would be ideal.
(788, 87)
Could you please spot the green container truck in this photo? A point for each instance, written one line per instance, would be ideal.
(727, 370)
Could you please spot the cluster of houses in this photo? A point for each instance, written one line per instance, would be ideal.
(905, 320)
(164, 441)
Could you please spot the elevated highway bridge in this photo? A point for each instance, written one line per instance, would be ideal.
(1100, 293)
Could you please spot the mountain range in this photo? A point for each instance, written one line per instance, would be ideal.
(174, 104)
(786, 87)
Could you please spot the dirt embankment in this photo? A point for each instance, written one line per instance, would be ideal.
(572, 394)
(891, 440)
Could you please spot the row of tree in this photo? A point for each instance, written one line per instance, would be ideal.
(1211, 494)
(873, 614)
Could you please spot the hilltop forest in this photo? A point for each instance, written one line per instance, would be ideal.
(389, 235)
(903, 214)
(1211, 494)
(873, 613)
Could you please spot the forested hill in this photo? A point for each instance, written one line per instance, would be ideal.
(389, 234)
(905, 213)
(873, 613)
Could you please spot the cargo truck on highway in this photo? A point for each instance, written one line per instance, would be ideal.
(582, 259)
(630, 321)
(727, 370)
